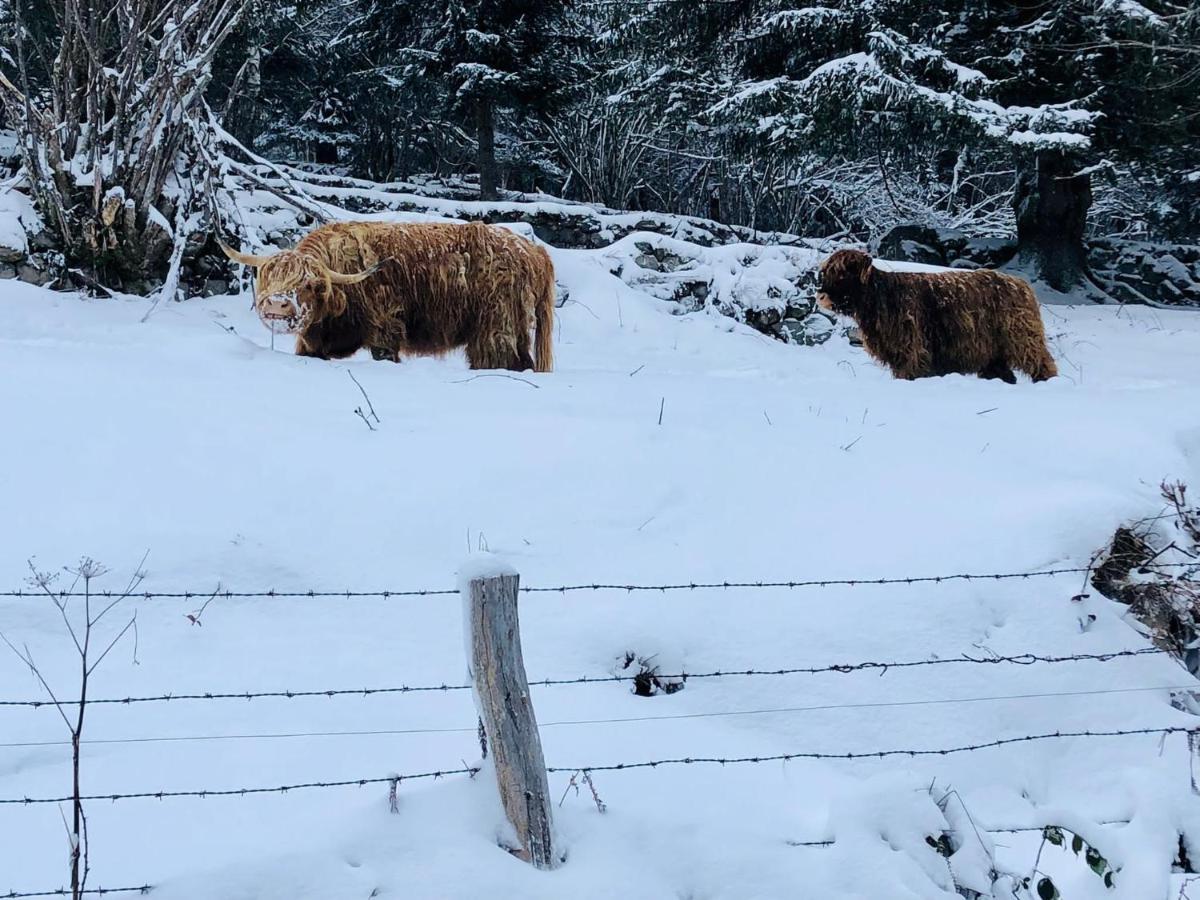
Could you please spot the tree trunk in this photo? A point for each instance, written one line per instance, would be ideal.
(714, 204)
(485, 136)
(326, 153)
(1051, 204)
(248, 120)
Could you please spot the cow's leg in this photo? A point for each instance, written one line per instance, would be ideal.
(524, 358)
(389, 353)
(390, 341)
(494, 352)
(998, 368)
(304, 348)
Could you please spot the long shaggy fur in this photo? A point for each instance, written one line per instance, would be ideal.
(432, 287)
(920, 324)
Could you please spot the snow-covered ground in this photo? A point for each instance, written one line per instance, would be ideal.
(246, 467)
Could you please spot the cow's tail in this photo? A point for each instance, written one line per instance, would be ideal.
(544, 320)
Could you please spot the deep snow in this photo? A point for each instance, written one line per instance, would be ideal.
(246, 467)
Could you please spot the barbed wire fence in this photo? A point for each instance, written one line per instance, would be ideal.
(882, 667)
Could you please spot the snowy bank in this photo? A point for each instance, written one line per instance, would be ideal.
(664, 449)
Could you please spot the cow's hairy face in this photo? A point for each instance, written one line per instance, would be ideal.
(292, 290)
(842, 280)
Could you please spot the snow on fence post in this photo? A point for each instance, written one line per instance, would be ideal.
(497, 669)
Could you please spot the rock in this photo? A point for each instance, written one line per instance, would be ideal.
(764, 320)
(141, 287)
(952, 240)
(854, 336)
(215, 287)
(7, 271)
(659, 259)
(911, 243)
(648, 261)
(42, 240)
(810, 331)
(195, 244)
(11, 254)
(32, 275)
(1141, 272)
(987, 253)
(691, 295)
(1170, 268)
(800, 312)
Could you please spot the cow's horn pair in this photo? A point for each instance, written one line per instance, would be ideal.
(250, 259)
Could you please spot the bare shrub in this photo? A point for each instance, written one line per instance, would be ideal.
(83, 610)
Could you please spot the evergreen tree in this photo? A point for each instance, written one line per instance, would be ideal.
(282, 77)
(1136, 70)
(478, 57)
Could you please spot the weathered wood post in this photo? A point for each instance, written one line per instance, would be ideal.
(497, 669)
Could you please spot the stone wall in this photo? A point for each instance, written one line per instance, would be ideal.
(1129, 271)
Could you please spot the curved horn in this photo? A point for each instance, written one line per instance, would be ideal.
(343, 278)
(246, 259)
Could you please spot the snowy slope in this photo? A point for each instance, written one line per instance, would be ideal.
(243, 466)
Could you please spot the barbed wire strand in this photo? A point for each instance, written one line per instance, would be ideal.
(1022, 659)
(66, 892)
(880, 704)
(1022, 829)
(615, 767)
(878, 754)
(242, 792)
(595, 586)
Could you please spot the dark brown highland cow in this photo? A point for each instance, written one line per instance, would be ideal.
(412, 289)
(920, 324)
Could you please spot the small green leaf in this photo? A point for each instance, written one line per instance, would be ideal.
(1054, 835)
(1077, 844)
(1097, 862)
(1108, 879)
(1046, 890)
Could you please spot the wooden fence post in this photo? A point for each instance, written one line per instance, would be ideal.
(497, 669)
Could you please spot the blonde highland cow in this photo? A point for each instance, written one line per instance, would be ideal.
(412, 290)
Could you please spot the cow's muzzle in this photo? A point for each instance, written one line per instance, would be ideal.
(279, 314)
